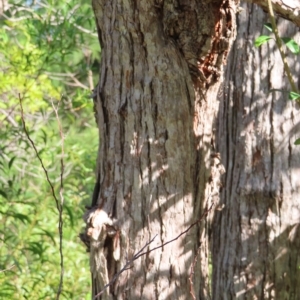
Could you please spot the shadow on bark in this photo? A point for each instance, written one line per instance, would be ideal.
(256, 237)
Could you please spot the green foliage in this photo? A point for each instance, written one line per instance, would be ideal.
(261, 40)
(294, 96)
(48, 55)
(294, 47)
(290, 43)
(297, 142)
(268, 26)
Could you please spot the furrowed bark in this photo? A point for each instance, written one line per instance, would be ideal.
(156, 102)
(256, 237)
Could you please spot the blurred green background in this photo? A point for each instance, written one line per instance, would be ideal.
(49, 53)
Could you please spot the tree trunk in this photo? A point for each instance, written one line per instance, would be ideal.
(256, 237)
(155, 107)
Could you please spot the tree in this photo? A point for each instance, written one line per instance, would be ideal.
(158, 163)
(256, 236)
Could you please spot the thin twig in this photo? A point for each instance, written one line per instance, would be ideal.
(279, 45)
(4, 270)
(58, 204)
(60, 223)
(37, 154)
(85, 30)
(126, 267)
(8, 117)
(141, 253)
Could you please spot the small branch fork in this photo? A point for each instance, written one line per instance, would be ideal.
(59, 204)
(141, 252)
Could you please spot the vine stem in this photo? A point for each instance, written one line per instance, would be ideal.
(279, 44)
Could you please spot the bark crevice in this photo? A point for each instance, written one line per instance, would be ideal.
(156, 105)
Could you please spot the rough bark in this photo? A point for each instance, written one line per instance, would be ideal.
(256, 237)
(155, 105)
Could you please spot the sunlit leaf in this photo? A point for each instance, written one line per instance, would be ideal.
(261, 40)
(268, 26)
(294, 96)
(291, 45)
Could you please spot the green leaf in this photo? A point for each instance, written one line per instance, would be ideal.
(11, 182)
(23, 218)
(297, 142)
(11, 162)
(44, 137)
(17, 263)
(36, 248)
(46, 233)
(294, 96)
(291, 44)
(70, 214)
(268, 26)
(261, 40)
(3, 194)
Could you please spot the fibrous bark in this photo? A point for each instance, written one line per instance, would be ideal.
(256, 237)
(155, 105)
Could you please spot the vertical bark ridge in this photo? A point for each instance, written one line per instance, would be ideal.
(151, 150)
(156, 105)
(256, 235)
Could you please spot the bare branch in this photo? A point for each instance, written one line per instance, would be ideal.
(62, 76)
(286, 9)
(37, 155)
(60, 223)
(4, 270)
(9, 117)
(58, 204)
(85, 30)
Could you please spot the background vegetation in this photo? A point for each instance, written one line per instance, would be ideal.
(48, 54)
